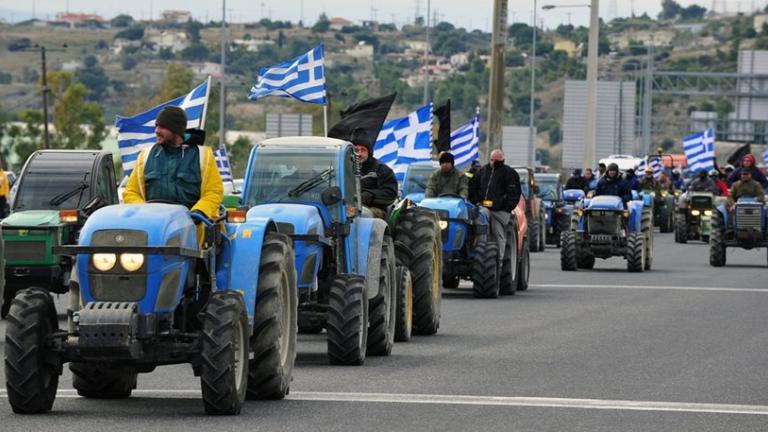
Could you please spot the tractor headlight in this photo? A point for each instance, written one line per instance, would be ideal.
(664, 193)
(131, 262)
(707, 212)
(695, 212)
(546, 216)
(443, 224)
(104, 261)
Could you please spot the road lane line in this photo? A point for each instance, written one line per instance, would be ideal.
(656, 288)
(436, 399)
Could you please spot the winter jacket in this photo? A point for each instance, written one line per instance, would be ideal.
(378, 184)
(757, 176)
(452, 182)
(703, 185)
(746, 188)
(577, 182)
(615, 187)
(5, 186)
(187, 175)
(497, 188)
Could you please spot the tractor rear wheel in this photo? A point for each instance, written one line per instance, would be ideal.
(568, 251)
(681, 230)
(273, 342)
(717, 240)
(382, 309)
(419, 248)
(563, 225)
(404, 323)
(101, 382)
(347, 327)
(224, 353)
(533, 233)
(509, 266)
(31, 376)
(485, 270)
(635, 252)
(524, 268)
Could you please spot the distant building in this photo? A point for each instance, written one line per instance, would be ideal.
(415, 45)
(120, 44)
(202, 70)
(361, 51)
(70, 66)
(75, 20)
(175, 41)
(568, 46)
(338, 23)
(252, 45)
(459, 59)
(176, 16)
(646, 37)
(758, 21)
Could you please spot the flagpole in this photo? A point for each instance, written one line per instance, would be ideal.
(205, 105)
(223, 96)
(325, 119)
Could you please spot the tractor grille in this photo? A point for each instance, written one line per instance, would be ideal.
(748, 217)
(701, 202)
(117, 285)
(603, 222)
(25, 251)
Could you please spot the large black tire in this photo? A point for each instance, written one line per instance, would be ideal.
(382, 309)
(509, 265)
(717, 240)
(635, 252)
(485, 270)
(568, 251)
(524, 267)
(8, 295)
(224, 353)
(542, 231)
(563, 225)
(585, 261)
(101, 382)
(273, 342)
(665, 224)
(419, 248)
(31, 375)
(533, 233)
(347, 326)
(681, 230)
(404, 324)
(648, 244)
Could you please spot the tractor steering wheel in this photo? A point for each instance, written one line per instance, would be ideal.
(447, 195)
(162, 201)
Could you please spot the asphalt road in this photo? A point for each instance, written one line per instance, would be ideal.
(680, 348)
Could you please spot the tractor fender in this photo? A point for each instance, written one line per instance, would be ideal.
(635, 216)
(371, 240)
(244, 255)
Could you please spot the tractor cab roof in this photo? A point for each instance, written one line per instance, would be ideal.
(304, 141)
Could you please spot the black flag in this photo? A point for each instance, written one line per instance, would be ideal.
(443, 114)
(368, 115)
(735, 158)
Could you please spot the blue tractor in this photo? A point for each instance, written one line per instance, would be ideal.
(556, 212)
(348, 280)
(416, 179)
(602, 228)
(153, 289)
(746, 226)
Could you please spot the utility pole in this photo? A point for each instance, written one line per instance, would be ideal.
(426, 56)
(46, 90)
(496, 85)
(648, 99)
(223, 96)
(590, 131)
(531, 146)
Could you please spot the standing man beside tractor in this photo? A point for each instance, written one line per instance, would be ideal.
(447, 180)
(378, 184)
(498, 190)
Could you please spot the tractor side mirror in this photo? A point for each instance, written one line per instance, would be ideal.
(331, 196)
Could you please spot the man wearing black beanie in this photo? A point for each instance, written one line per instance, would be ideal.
(447, 179)
(378, 184)
(178, 168)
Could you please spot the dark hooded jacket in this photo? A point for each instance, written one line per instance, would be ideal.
(616, 187)
(499, 185)
(378, 184)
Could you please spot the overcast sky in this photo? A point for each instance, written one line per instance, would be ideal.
(463, 13)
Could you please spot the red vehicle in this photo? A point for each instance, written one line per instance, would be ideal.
(534, 209)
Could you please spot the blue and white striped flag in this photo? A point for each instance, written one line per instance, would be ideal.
(301, 78)
(137, 132)
(765, 157)
(465, 143)
(699, 148)
(222, 163)
(654, 163)
(405, 140)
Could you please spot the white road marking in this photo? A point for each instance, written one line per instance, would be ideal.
(433, 399)
(656, 288)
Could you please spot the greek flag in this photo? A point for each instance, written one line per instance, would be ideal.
(465, 142)
(137, 132)
(765, 157)
(405, 140)
(222, 163)
(654, 163)
(699, 148)
(302, 78)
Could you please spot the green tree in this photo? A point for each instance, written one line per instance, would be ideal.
(322, 25)
(121, 21)
(135, 32)
(195, 52)
(27, 138)
(670, 9)
(238, 153)
(192, 28)
(693, 13)
(94, 78)
(77, 122)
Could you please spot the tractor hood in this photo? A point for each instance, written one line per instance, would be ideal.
(33, 218)
(161, 222)
(456, 207)
(291, 218)
(605, 202)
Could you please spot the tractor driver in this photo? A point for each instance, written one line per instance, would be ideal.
(613, 184)
(177, 168)
(745, 187)
(447, 179)
(378, 184)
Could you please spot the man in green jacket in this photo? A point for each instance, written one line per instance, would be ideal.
(447, 180)
(746, 187)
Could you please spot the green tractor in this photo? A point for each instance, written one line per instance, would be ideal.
(57, 191)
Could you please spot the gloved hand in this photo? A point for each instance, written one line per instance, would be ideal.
(367, 198)
(200, 213)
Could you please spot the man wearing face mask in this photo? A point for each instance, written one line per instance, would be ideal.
(378, 184)
(177, 168)
(702, 183)
(497, 189)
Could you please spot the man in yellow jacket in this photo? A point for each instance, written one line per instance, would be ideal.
(178, 168)
(5, 190)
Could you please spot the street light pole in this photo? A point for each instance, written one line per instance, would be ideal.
(590, 131)
(496, 85)
(223, 95)
(426, 56)
(531, 146)
(46, 144)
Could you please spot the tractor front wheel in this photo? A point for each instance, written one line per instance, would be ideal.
(347, 327)
(524, 267)
(635, 252)
(224, 353)
(568, 251)
(31, 375)
(404, 324)
(485, 270)
(681, 230)
(717, 241)
(383, 308)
